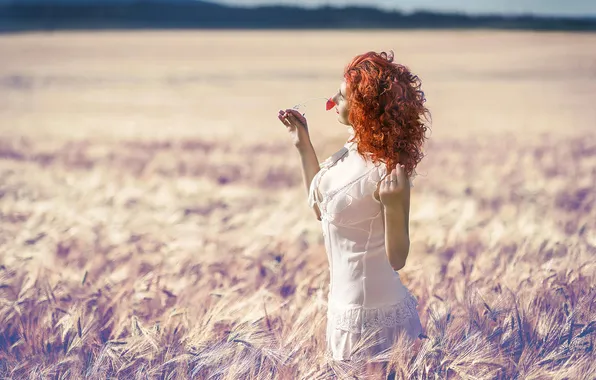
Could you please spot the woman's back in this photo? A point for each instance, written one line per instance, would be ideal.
(365, 292)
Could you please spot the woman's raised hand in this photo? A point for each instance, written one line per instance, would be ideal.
(296, 125)
(395, 189)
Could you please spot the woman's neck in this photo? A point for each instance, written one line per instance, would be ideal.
(350, 131)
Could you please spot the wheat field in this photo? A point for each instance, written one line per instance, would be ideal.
(154, 223)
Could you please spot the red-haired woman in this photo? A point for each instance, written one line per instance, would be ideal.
(361, 195)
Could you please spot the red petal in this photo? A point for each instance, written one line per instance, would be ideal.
(330, 104)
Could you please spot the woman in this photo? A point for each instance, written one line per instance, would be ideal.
(361, 195)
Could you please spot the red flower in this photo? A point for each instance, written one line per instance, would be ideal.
(330, 104)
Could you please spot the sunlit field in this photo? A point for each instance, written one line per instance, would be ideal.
(154, 223)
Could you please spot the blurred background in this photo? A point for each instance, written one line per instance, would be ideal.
(144, 68)
(150, 197)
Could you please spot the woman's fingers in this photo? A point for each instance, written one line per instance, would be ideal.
(392, 183)
(399, 175)
(283, 117)
(295, 122)
(391, 180)
(291, 118)
(394, 178)
(401, 172)
(297, 115)
(291, 111)
(385, 183)
(283, 113)
(285, 121)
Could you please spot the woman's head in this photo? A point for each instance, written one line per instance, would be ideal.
(384, 103)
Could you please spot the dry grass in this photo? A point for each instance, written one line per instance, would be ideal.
(172, 250)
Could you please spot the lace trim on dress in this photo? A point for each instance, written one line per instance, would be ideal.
(360, 319)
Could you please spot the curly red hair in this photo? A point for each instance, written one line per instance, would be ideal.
(387, 110)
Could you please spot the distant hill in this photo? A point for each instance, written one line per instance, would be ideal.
(23, 15)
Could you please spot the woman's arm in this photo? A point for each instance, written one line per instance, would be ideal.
(310, 167)
(397, 236)
(394, 194)
(298, 128)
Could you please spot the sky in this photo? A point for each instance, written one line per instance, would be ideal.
(510, 7)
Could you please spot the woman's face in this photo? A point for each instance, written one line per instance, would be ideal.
(342, 105)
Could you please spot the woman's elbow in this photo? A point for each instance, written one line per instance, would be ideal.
(398, 264)
(398, 261)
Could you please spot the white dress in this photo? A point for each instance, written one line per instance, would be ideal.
(366, 297)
